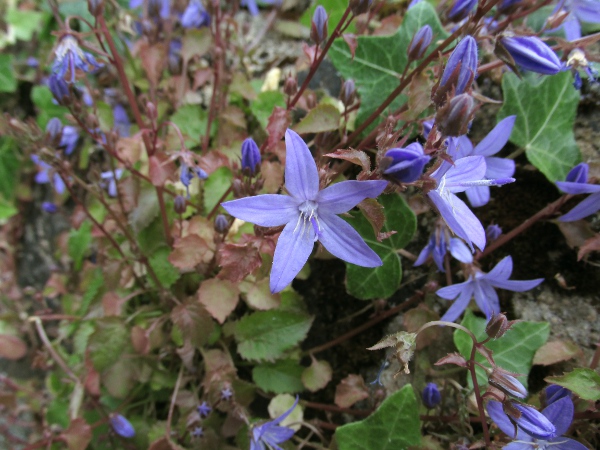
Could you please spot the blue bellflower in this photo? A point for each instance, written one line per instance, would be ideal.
(68, 139)
(122, 426)
(531, 53)
(465, 173)
(576, 183)
(481, 286)
(309, 214)
(47, 175)
(439, 244)
(490, 145)
(195, 15)
(156, 8)
(70, 57)
(538, 431)
(269, 434)
(121, 121)
(406, 163)
(186, 174)
(109, 181)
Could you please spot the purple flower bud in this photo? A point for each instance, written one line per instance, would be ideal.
(49, 207)
(54, 128)
(221, 224)
(69, 138)
(492, 232)
(454, 117)
(122, 426)
(460, 70)
(204, 409)
(179, 204)
(290, 86)
(407, 163)
(534, 423)
(348, 92)
(359, 6)
(121, 120)
(431, 396)
(318, 26)
(461, 9)
(419, 43)
(530, 53)
(500, 378)
(195, 16)
(250, 157)
(60, 89)
(578, 174)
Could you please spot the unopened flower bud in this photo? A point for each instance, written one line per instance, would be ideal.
(530, 53)
(431, 396)
(419, 43)
(497, 326)
(554, 393)
(179, 204)
(54, 129)
(405, 164)
(49, 207)
(348, 92)
(60, 89)
(122, 426)
(507, 383)
(318, 26)
(578, 174)
(492, 232)
(95, 7)
(290, 85)
(461, 9)
(250, 157)
(359, 6)
(221, 224)
(533, 422)
(454, 117)
(460, 71)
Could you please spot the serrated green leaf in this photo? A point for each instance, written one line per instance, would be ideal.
(513, 352)
(545, 108)
(335, 10)
(381, 282)
(266, 335)
(79, 243)
(81, 337)
(322, 118)
(107, 343)
(166, 272)
(8, 82)
(46, 108)
(394, 426)
(215, 186)
(263, 106)
(10, 165)
(279, 377)
(583, 382)
(380, 60)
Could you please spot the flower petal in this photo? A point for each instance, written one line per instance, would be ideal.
(478, 195)
(571, 187)
(460, 251)
(459, 305)
(516, 285)
(268, 210)
(341, 197)
(587, 207)
(497, 138)
(486, 298)
(293, 249)
(560, 413)
(502, 270)
(343, 241)
(499, 167)
(470, 168)
(301, 175)
(454, 290)
(563, 443)
(497, 414)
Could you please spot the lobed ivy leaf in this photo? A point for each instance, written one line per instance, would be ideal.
(545, 108)
(280, 377)
(380, 60)
(394, 426)
(266, 335)
(583, 382)
(381, 282)
(513, 352)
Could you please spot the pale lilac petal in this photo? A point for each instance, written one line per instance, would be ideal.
(587, 207)
(112, 188)
(460, 251)
(478, 195)
(521, 446)
(293, 249)
(574, 188)
(563, 443)
(502, 270)
(301, 175)
(572, 29)
(496, 413)
(459, 305)
(470, 168)
(486, 298)
(454, 290)
(496, 139)
(284, 416)
(499, 167)
(59, 184)
(42, 177)
(341, 197)
(268, 210)
(427, 250)
(560, 413)
(278, 434)
(516, 285)
(587, 10)
(459, 147)
(343, 241)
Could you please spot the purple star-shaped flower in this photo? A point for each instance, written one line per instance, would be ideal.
(481, 286)
(439, 244)
(109, 181)
(490, 145)
(576, 183)
(533, 430)
(269, 434)
(465, 173)
(69, 56)
(309, 214)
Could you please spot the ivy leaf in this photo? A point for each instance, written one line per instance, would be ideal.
(381, 282)
(545, 108)
(513, 352)
(263, 106)
(279, 377)
(394, 426)
(583, 382)
(266, 335)
(380, 60)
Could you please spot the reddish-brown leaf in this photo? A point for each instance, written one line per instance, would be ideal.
(352, 42)
(194, 322)
(555, 352)
(190, 251)
(357, 157)
(12, 347)
(154, 59)
(350, 390)
(373, 212)
(78, 435)
(452, 358)
(590, 245)
(237, 261)
(278, 122)
(160, 169)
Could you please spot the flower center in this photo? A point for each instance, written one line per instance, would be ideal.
(308, 214)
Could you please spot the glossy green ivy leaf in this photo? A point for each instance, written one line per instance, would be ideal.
(381, 282)
(8, 82)
(108, 342)
(513, 352)
(266, 335)
(394, 426)
(380, 60)
(279, 377)
(583, 382)
(545, 107)
(335, 10)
